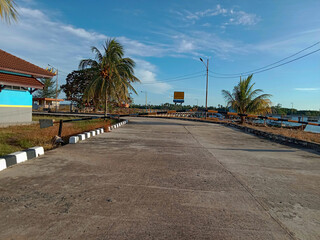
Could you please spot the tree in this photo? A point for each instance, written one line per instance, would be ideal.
(76, 83)
(8, 11)
(113, 75)
(49, 89)
(245, 100)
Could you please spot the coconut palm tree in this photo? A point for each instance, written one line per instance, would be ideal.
(8, 11)
(244, 99)
(113, 75)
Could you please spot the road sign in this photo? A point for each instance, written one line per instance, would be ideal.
(178, 97)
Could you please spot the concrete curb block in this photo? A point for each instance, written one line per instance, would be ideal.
(101, 130)
(73, 139)
(82, 136)
(3, 164)
(88, 134)
(93, 133)
(34, 152)
(115, 126)
(19, 157)
(97, 131)
(16, 157)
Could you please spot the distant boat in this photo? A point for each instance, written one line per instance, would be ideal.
(313, 119)
(286, 126)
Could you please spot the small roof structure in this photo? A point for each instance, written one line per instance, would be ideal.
(19, 81)
(11, 63)
(48, 99)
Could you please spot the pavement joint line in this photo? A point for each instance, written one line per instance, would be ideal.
(166, 188)
(248, 190)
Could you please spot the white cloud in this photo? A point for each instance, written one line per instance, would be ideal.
(185, 46)
(39, 39)
(31, 13)
(80, 32)
(242, 18)
(235, 17)
(145, 71)
(288, 45)
(307, 89)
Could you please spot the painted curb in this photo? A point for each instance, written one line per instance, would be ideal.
(3, 164)
(81, 136)
(88, 134)
(19, 157)
(34, 152)
(93, 133)
(73, 139)
(101, 130)
(97, 131)
(16, 157)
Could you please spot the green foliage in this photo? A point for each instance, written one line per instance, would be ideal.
(76, 84)
(244, 99)
(49, 89)
(278, 109)
(113, 75)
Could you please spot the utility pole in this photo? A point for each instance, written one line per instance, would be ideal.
(207, 68)
(57, 91)
(146, 100)
(57, 72)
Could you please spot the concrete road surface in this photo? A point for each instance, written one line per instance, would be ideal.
(164, 179)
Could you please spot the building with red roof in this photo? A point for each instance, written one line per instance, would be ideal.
(18, 80)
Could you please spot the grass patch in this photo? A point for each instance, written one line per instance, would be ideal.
(17, 138)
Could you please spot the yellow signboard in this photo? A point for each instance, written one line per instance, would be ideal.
(178, 95)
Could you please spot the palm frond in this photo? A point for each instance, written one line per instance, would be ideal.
(8, 11)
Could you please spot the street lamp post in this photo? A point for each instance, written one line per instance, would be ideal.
(146, 100)
(57, 72)
(207, 68)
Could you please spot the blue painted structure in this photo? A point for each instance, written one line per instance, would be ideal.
(15, 98)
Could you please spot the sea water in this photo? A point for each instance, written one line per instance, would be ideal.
(309, 128)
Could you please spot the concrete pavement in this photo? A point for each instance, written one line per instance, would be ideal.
(164, 179)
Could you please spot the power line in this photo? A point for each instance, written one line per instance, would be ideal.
(200, 75)
(257, 69)
(267, 69)
(182, 76)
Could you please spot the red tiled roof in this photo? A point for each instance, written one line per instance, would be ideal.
(20, 81)
(11, 63)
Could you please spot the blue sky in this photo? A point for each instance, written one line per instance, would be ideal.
(166, 39)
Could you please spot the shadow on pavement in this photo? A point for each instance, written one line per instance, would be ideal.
(257, 150)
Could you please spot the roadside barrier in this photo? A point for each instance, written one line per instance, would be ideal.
(34, 152)
(186, 113)
(83, 136)
(19, 157)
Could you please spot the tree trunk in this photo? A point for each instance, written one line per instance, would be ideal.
(106, 107)
(243, 118)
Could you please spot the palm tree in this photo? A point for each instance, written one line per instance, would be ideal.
(8, 11)
(113, 75)
(245, 100)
